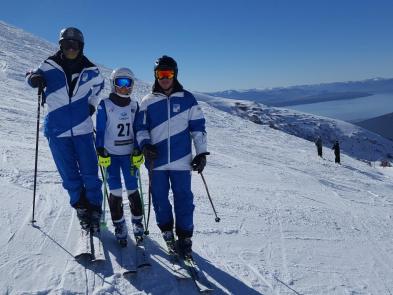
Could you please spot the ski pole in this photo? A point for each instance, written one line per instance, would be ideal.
(40, 94)
(150, 184)
(105, 187)
(210, 199)
(104, 178)
(142, 200)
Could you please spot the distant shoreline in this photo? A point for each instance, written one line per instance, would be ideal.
(318, 98)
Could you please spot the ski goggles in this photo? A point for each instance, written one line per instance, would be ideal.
(123, 82)
(70, 44)
(165, 74)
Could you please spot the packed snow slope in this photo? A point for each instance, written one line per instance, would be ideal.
(291, 223)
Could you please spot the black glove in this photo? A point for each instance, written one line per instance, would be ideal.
(37, 80)
(92, 110)
(199, 162)
(102, 152)
(150, 152)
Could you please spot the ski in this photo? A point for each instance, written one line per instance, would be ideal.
(83, 249)
(176, 268)
(98, 248)
(141, 256)
(127, 261)
(197, 276)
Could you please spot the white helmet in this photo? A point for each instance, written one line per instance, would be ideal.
(122, 73)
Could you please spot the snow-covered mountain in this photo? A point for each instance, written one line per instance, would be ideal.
(354, 140)
(291, 223)
(381, 125)
(303, 94)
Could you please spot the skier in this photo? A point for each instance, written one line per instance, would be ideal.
(336, 148)
(318, 143)
(72, 84)
(117, 151)
(169, 118)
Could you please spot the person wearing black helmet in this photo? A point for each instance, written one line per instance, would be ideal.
(169, 119)
(72, 84)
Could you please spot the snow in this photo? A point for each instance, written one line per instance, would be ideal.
(291, 223)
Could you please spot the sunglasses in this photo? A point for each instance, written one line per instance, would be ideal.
(70, 44)
(123, 82)
(162, 74)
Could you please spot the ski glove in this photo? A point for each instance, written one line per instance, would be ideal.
(199, 162)
(150, 152)
(37, 80)
(137, 159)
(104, 160)
(92, 110)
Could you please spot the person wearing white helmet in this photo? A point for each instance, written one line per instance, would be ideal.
(117, 151)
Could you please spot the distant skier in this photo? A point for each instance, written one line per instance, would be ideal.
(318, 143)
(168, 120)
(117, 151)
(72, 85)
(336, 148)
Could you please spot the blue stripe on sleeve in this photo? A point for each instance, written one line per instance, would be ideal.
(197, 125)
(101, 118)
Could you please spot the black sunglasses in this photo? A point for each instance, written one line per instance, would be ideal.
(70, 44)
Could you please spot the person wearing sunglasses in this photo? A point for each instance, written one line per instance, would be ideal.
(117, 151)
(72, 84)
(168, 121)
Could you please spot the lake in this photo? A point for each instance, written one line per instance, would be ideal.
(350, 110)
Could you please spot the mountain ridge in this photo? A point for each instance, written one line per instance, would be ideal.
(301, 94)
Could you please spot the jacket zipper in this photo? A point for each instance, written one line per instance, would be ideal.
(169, 129)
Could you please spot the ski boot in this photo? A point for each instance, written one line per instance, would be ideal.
(121, 232)
(82, 211)
(84, 218)
(184, 246)
(95, 217)
(169, 239)
(138, 229)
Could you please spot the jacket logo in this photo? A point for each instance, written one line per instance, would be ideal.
(176, 108)
(84, 77)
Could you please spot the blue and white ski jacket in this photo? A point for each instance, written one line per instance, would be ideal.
(68, 115)
(171, 123)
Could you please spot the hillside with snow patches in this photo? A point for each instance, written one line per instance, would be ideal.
(291, 223)
(355, 141)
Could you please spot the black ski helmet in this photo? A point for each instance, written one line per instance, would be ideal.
(166, 62)
(71, 34)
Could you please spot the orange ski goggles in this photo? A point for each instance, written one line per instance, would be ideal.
(165, 74)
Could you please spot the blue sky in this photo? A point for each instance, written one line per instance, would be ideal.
(221, 44)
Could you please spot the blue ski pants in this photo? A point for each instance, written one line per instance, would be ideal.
(183, 200)
(76, 160)
(122, 163)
